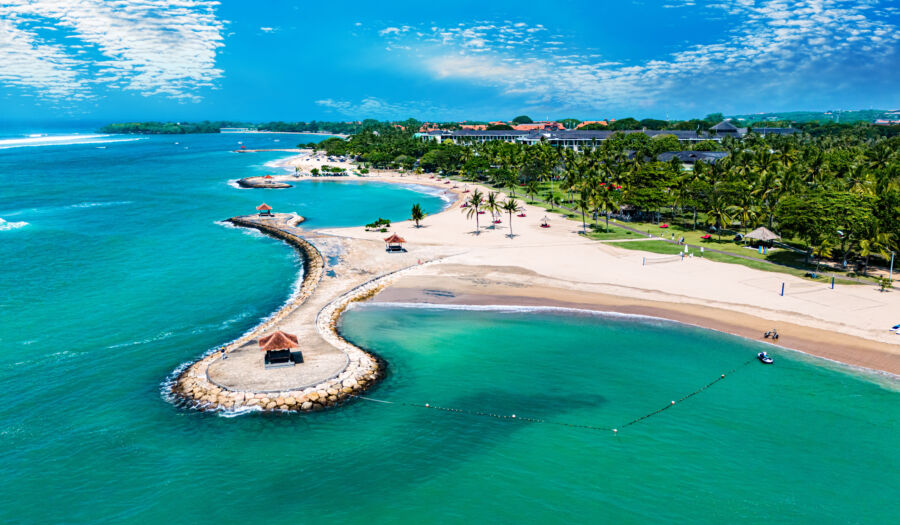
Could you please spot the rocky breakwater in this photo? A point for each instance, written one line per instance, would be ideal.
(192, 386)
(262, 182)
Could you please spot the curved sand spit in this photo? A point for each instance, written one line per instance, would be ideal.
(538, 266)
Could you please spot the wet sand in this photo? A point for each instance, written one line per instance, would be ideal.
(474, 290)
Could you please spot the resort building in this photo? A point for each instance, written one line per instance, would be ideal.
(725, 129)
(578, 138)
(531, 126)
(690, 158)
(589, 122)
(775, 131)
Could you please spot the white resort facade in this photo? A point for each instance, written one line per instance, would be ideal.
(578, 138)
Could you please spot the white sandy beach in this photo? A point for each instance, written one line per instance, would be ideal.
(557, 266)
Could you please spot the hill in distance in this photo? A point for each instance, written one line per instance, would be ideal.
(844, 117)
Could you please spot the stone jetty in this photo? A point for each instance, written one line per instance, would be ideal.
(262, 182)
(333, 369)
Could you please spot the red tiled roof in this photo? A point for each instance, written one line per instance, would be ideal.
(586, 122)
(538, 125)
(278, 341)
(264, 207)
(395, 239)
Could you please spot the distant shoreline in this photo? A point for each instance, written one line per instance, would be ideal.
(342, 135)
(317, 133)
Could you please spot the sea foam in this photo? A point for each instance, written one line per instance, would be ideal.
(502, 308)
(11, 225)
(61, 140)
(99, 204)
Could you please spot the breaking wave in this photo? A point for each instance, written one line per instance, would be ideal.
(99, 204)
(11, 225)
(61, 140)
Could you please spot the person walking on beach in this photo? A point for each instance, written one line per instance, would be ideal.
(223, 353)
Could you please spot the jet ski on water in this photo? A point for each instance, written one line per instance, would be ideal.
(764, 358)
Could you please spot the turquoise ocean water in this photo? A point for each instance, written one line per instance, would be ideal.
(115, 270)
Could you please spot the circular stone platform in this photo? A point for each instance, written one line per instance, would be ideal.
(244, 369)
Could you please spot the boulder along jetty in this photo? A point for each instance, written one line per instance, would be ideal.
(262, 182)
(330, 369)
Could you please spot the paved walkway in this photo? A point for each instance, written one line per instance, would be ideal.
(244, 369)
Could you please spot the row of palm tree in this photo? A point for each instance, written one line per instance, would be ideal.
(758, 183)
(740, 191)
(478, 202)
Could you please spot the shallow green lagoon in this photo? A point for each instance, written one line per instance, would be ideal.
(792, 441)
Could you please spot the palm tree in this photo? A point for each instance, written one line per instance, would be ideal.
(823, 249)
(550, 158)
(551, 200)
(532, 188)
(474, 203)
(607, 199)
(511, 206)
(417, 213)
(511, 180)
(718, 213)
(746, 211)
(585, 199)
(879, 157)
(877, 244)
(492, 205)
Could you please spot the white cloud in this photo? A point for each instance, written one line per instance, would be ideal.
(24, 62)
(153, 47)
(373, 107)
(393, 30)
(775, 44)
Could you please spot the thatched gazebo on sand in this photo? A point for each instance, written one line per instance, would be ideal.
(277, 347)
(394, 243)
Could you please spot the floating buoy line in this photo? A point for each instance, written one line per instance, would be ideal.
(515, 417)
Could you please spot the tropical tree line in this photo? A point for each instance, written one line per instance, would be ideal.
(838, 194)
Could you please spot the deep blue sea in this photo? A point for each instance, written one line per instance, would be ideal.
(115, 268)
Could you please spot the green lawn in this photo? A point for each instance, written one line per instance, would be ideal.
(661, 247)
(726, 244)
(665, 248)
(600, 234)
(785, 261)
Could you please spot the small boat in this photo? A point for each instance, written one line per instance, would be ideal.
(764, 358)
(895, 328)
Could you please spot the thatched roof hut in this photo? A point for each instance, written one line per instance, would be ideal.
(762, 234)
(278, 341)
(394, 243)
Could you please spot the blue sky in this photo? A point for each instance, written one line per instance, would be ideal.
(193, 59)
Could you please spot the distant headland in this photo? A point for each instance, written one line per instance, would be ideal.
(815, 122)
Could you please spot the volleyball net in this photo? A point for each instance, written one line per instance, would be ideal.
(660, 260)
